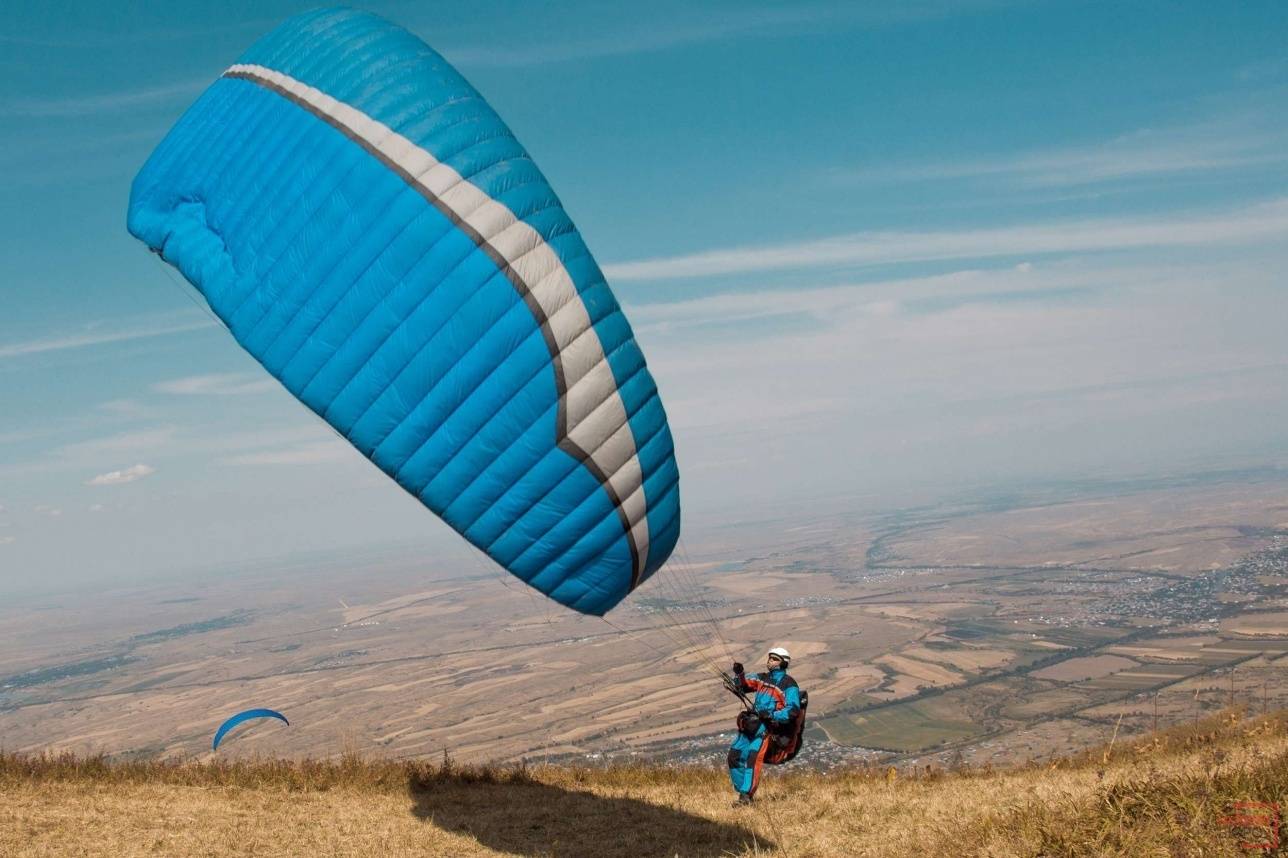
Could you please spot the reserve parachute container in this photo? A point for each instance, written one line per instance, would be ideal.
(368, 229)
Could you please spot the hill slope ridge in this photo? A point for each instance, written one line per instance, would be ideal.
(1213, 788)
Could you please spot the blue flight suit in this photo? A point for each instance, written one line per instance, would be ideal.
(777, 702)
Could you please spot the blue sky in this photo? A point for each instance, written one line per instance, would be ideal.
(874, 252)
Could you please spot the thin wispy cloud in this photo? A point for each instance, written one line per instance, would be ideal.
(1139, 158)
(218, 384)
(1264, 70)
(1240, 226)
(947, 376)
(60, 149)
(667, 30)
(106, 102)
(1249, 140)
(127, 410)
(170, 440)
(917, 295)
(126, 475)
(131, 35)
(152, 439)
(8, 540)
(322, 452)
(640, 40)
(100, 334)
(17, 437)
(297, 443)
(981, 314)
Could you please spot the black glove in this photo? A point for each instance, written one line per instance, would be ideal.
(737, 668)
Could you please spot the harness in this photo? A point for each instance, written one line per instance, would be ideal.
(785, 740)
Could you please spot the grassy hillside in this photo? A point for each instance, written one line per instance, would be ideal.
(1171, 794)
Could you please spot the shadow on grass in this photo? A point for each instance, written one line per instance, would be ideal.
(522, 816)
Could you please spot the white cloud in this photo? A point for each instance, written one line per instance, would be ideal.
(128, 475)
(218, 384)
(46, 509)
(7, 540)
(96, 507)
(1241, 226)
(98, 334)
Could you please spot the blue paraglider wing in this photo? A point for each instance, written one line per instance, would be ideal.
(373, 234)
(241, 717)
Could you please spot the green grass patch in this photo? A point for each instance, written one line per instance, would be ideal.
(1091, 636)
(1178, 671)
(1125, 682)
(1274, 646)
(1044, 704)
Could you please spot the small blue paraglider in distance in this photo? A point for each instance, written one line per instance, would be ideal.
(248, 715)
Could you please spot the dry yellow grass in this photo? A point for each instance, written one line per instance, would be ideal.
(1162, 796)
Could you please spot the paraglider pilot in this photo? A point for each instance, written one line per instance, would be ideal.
(770, 713)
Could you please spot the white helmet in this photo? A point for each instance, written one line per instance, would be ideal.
(782, 653)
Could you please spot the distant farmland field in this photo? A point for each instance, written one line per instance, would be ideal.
(905, 727)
